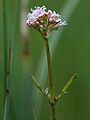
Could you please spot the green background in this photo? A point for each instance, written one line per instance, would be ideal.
(70, 48)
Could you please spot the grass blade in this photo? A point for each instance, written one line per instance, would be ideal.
(5, 59)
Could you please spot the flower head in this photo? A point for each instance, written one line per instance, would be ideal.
(44, 21)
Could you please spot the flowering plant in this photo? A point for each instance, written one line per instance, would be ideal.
(46, 21)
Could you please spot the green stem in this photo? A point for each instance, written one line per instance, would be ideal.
(6, 104)
(53, 112)
(49, 70)
(4, 41)
(52, 96)
(5, 61)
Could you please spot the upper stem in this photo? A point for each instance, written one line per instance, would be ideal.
(52, 96)
(49, 70)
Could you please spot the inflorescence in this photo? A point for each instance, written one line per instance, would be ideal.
(44, 21)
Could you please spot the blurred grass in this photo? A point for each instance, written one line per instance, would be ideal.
(71, 54)
(1, 67)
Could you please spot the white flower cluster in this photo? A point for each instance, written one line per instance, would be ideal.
(35, 15)
(43, 20)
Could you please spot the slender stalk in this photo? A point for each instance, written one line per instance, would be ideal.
(4, 41)
(5, 61)
(52, 96)
(6, 106)
(49, 70)
(53, 112)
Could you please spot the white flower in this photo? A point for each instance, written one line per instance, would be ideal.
(53, 16)
(32, 17)
(44, 21)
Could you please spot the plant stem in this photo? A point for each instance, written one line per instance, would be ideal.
(52, 97)
(4, 42)
(49, 70)
(53, 112)
(6, 106)
(5, 112)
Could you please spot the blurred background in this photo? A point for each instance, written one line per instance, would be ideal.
(70, 49)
